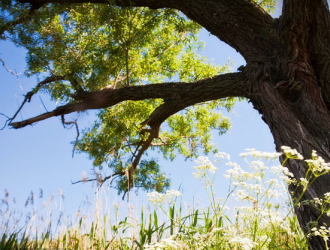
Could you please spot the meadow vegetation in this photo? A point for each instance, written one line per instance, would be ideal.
(256, 214)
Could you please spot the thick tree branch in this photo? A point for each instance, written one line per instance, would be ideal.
(176, 95)
(240, 23)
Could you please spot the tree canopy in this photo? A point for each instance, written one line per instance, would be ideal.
(83, 48)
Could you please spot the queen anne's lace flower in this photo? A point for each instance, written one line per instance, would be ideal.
(171, 194)
(222, 155)
(157, 198)
(245, 243)
(317, 165)
(258, 154)
(291, 153)
(322, 231)
(304, 182)
(205, 166)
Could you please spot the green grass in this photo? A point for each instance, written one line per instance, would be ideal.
(261, 218)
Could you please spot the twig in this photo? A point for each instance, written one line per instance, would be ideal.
(70, 123)
(97, 179)
(8, 119)
(127, 69)
(43, 103)
(12, 72)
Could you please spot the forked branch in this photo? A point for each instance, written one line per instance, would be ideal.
(29, 95)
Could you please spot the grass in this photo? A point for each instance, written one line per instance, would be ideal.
(261, 218)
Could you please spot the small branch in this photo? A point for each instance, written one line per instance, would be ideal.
(10, 71)
(27, 98)
(137, 148)
(72, 123)
(125, 194)
(8, 119)
(43, 103)
(151, 145)
(127, 69)
(153, 134)
(101, 182)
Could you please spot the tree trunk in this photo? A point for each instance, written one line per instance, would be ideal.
(290, 92)
(288, 96)
(297, 117)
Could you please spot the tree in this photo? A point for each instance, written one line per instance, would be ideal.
(286, 76)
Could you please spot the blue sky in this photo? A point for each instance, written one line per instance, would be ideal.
(40, 156)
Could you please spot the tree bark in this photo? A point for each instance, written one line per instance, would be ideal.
(291, 95)
(287, 79)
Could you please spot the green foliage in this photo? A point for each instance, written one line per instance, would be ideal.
(267, 5)
(148, 177)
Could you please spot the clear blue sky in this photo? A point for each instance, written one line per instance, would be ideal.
(40, 156)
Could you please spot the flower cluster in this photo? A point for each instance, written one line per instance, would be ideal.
(171, 194)
(222, 155)
(245, 243)
(157, 198)
(205, 165)
(284, 173)
(258, 154)
(236, 173)
(317, 165)
(166, 243)
(322, 231)
(304, 182)
(291, 153)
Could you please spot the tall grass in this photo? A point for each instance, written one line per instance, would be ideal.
(255, 214)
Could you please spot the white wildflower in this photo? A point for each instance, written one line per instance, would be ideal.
(222, 155)
(204, 165)
(171, 194)
(291, 153)
(156, 198)
(317, 165)
(245, 243)
(304, 182)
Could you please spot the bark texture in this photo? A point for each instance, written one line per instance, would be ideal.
(287, 78)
